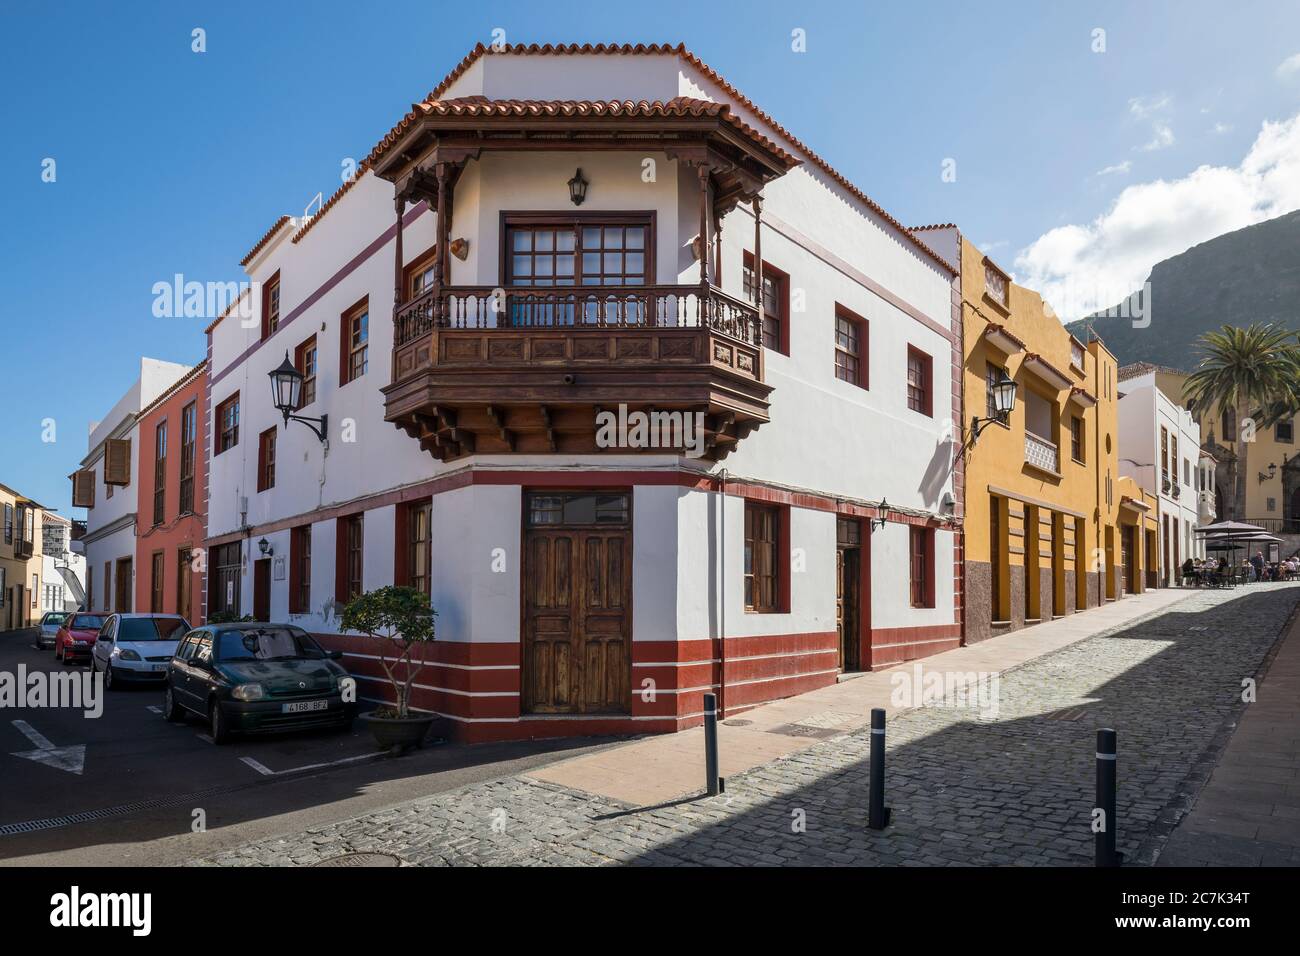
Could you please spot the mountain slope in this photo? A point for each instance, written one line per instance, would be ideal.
(1250, 275)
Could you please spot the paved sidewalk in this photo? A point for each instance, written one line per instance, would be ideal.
(1249, 812)
(966, 787)
(655, 769)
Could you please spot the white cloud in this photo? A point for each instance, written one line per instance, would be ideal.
(1081, 268)
(1162, 137)
(1289, 67)
(1143, 106)
(1123, 167)
(1220, 128)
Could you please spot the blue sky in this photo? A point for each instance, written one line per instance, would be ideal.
(171, 161)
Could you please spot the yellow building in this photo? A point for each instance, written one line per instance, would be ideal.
(20, 560)
(1050, 527)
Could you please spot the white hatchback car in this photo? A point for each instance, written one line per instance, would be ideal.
(50, 624)
(137, 647)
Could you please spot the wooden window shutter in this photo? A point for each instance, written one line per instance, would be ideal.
(83, 489)
(117, 461)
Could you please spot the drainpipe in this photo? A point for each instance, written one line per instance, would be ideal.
(722, 615)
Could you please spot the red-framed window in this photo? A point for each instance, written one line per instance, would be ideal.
(921, 566)
(418, 275)
(300, 570)
(355, 346)
(920, 389)
(602, 249)
(851, 340)
(228, 424)
(160, 473)
(776, 303)
(414, 544)
(189, 438)
(349, 558)
(271, 306)
(767, 558)
(304, 360)
(266, 459)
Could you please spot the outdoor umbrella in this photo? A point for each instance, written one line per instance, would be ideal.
(1229, 527)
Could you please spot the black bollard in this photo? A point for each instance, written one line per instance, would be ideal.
(877, 812)
(712, 781)
(1105, 838)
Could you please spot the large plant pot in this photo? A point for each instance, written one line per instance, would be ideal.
(398, 735)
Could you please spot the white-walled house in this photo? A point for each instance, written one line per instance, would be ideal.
(105, 486)
(63, 570)
(620, 485)
(1160, 448)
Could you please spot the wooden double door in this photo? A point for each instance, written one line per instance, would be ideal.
(577, 594)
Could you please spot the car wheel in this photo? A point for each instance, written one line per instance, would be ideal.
(108, 674)
(171, 710)
(217, 725)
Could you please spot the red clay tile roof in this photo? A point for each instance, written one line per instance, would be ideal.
(644, 49)
(934, 225)
(261, 243)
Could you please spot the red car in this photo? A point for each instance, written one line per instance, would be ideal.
(76, 638)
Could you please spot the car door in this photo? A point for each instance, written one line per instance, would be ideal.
(103, 648)
(201, 674)
(179, 670)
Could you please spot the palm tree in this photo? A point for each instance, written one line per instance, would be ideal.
(1255, 371)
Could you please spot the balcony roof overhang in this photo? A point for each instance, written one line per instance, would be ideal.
(700, 132)
(1002, 340)
(1082, 397)
(1046, 371)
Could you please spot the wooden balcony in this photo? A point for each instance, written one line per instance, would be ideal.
(527, 370)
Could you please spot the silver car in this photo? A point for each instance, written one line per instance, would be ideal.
(50, 625)
(136, 648)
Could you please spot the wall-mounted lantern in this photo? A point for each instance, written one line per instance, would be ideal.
(1272, 473)
(578, 188)
(286, 391)
(883, 511)
(1004, 403)
(265, 547)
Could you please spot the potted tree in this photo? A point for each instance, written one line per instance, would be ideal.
(397, 620)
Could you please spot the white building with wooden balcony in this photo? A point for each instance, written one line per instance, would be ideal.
(553, 403)
(1160, 448)
(104, 486)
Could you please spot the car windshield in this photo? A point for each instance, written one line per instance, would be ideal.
(87, 622)
(54, 617)
(267, 644)
(151, 629)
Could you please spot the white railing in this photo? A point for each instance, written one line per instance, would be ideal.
(1041, 453)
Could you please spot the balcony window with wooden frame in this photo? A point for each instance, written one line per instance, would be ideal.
(83, 488)
(349, 558)
(156, 583)
(271, 306)
(189, 440)
(418, 275)
(765, 557)
(851, 350)
(117, 462)
(1077, 443)
(266, 460)
(228, 424)
(776, 303)
(355, 346)
(920, 367)
(304, 360)
(184, 582)
(414, 533)
(160, 473)
(921, 566)
(300, 570)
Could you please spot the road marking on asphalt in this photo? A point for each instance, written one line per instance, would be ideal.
(266, 771)
(71, 759)
(154, 708)
(207, 738)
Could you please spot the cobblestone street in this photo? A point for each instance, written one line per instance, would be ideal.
(965, 788)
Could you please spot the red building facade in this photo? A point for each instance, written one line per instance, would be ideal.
(172, 508)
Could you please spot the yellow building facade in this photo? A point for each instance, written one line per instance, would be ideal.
(1050, 526)
(20, 560)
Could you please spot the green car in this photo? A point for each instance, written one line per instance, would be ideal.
(258, 678)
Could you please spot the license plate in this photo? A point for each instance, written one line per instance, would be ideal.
(159, 667)
(304, 706)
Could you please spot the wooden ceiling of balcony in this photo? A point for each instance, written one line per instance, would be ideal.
(449, 133)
